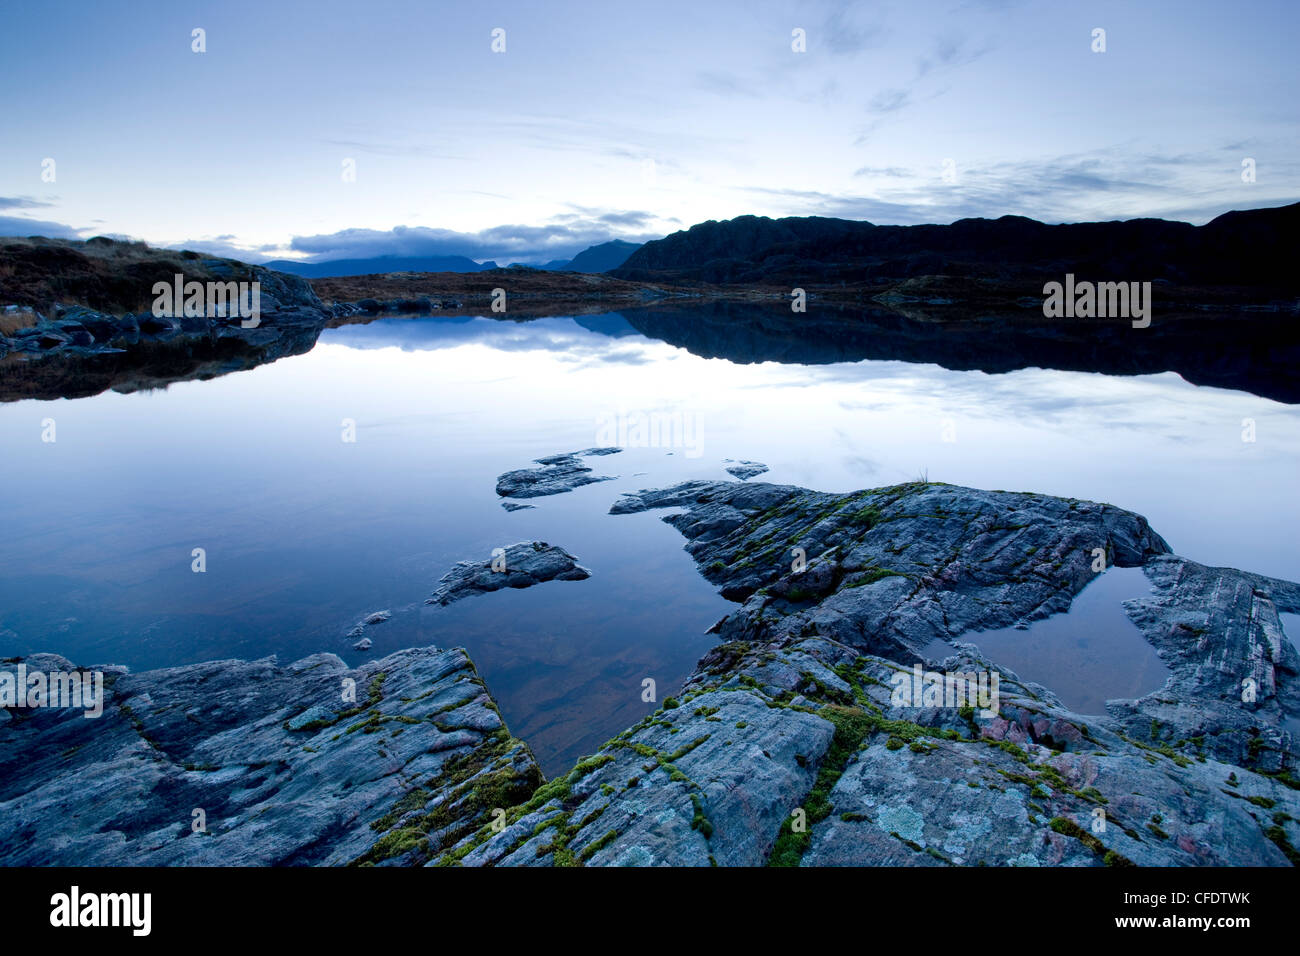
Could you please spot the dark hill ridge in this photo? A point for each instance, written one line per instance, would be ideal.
(597, 258)
(377, 265)
(1254, 248)
(603, 257)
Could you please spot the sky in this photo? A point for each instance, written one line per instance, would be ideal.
(603, 120)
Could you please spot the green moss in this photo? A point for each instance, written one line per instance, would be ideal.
(699, 821)
(393, 844)
(374, 696)
(1067, 827)
(1282, 776)
(683, 751)
(852, 727)
(591, 764)
(472, 786)
(1279, 837)
(872, 575)
(591, 849)
(867, 517)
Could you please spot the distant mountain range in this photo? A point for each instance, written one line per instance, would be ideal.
(1250, 248)
(377, 265)
(602, 258)
(598, 258)
(1253, 248)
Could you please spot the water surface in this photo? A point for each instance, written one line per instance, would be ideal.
(305, 533)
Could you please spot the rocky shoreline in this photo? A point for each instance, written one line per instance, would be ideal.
(75, 320)
(788, 745)
(250, 763)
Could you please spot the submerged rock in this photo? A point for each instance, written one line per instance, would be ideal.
(559, 474)
(745, 470)
(370, 620)
(520, 565)
(274, 763)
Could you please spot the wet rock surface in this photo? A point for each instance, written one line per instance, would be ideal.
(745, 470)
(891, 569)
(73, 351)
(283, 769)
(788, 745)
(520, 565)
(559, 474)
(369, 621)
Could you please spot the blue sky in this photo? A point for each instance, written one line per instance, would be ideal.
(630, 120)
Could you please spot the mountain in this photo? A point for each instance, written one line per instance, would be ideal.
(603, 257)
(600, 258)
(377, 265)
(555, 265)
(1254, 247)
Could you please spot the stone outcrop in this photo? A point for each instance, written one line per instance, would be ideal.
(520, 565)
(558, 475)
(275, 763)
(744, 470)
(790, 743)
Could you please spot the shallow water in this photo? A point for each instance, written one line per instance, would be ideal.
(1089, 655)
(305, 533)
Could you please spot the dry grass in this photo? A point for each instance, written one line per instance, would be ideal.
(103, 274)
(9, 324)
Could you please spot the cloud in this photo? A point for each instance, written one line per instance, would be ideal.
(725, 84)
(894, 172)
(951, 50)
(614, 342)
(18, 226)
(889, 101)
(226, 247)
(565, 236)
(844, 36)
(390, 149)
(22, 202)
(1079, 187)
(948, 51)
(631, 219)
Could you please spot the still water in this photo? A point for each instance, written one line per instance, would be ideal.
(306, 533)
